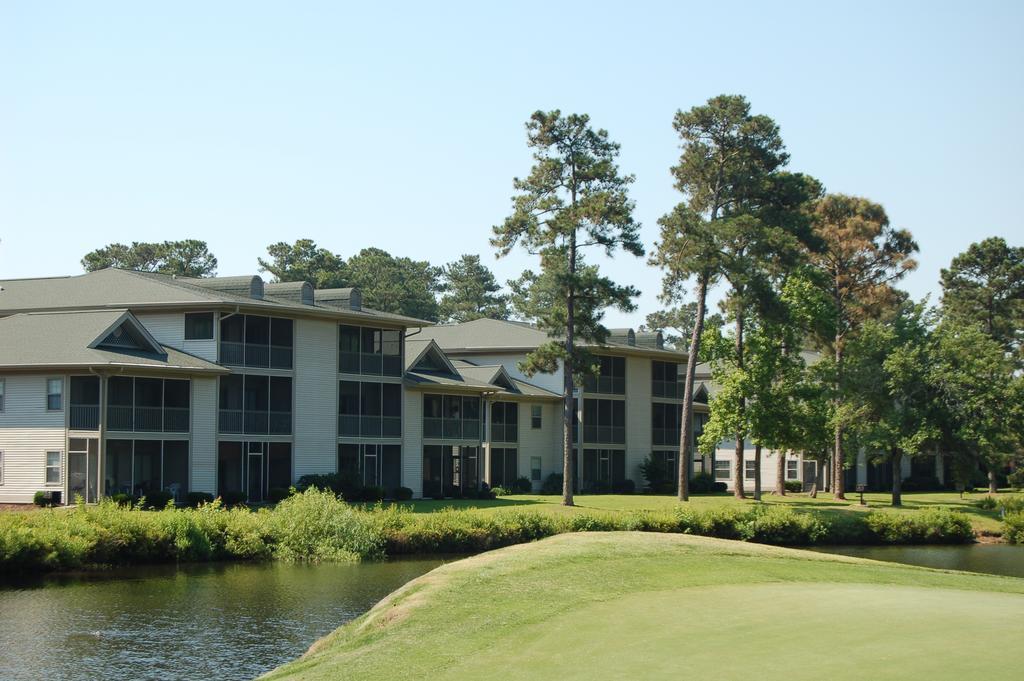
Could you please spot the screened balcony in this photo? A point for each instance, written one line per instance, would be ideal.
(451, 417)
(504, 422)
(611, 379)
(368, 409)
(84, 406)
(604, 421)
(369, 351)
(666, 380)
(255, 405)
(258, 342)
(148, 405)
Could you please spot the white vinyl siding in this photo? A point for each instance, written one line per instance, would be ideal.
(203, 452)
(638, 416)
(412, 442)
(169, 329)
(315, 390)
(27, 432)
(1, 467)
(545, 442)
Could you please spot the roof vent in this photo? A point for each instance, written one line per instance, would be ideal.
(245, 286)
(294, 291)
(622, 336)
(347, 298)
(650, 339)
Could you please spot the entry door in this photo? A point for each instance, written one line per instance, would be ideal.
(84, 469)
(810, 473)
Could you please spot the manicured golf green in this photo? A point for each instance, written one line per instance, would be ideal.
(642, 605)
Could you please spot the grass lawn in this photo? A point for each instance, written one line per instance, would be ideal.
(982, 520)
(655, 606)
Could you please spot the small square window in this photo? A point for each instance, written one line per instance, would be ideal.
(791, 469)
(535, 468)
(536, 419)
(722, 469)
(53, 468)
(199, 326)
(54, 394)
(748, 472)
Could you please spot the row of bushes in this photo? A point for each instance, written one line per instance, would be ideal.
(315, 525)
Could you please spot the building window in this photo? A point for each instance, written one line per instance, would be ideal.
(504, 466)
(1, 468)
(665, 420)
(666, 380)
(748, 470)
(254, 341)
(53, 468)
(255, 404)
(722, 469)
(2, 393)
(371, 465)
(792, 466)
(199, 326)
(536, 418)
(504, 422)
(54, 394)
(604, 421)
(369, 409)
(611, 378)
(364, 350)
(535, 468)
(451, 417)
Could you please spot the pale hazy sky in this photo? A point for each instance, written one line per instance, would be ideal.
(401, 125)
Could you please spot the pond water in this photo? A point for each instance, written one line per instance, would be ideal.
(236, 621)
(996, 559)
(224, 621)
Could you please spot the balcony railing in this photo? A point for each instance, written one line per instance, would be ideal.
(668, 389)
(504, 432)
(608, 385)
(230, 421)
(280, 423)
(369, 363)
(256, 355)
(453, 429)
(84, 417)
(604, 434)
(255, 422)
(348, 425)
(665, 436)
(148, 419)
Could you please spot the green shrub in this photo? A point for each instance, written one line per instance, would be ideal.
(232, 498)
(196, 499)
(783, 526)
(1016, 478)
(626, 486)
(1013, 527)
(121, 499)
(794, 486)
(156, 500)
(276, 495)
(552, 484)
(930, 526)
(401, 494)
(1011, 504)
(40, 499)
(987, 502)
(704, 483)
(499, 491)
(315, 526)
(522, 485)
(657, 475)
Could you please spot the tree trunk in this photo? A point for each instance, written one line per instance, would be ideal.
(780, 475)
(838, 454)
(737, 476)
(757, 472)
(897, 477)
(568, 367)
(686, 433)
(993, 484)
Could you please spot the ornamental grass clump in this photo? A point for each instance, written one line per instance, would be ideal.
(316, 526)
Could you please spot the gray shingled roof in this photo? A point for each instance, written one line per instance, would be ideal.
(493, 335)
(114, 288)
(62, 340)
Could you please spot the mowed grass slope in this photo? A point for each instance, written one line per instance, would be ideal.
(653, 606)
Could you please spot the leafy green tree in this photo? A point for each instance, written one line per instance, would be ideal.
(727, 175)
(979, 394)
(185, 258)
(985, 285)
(860, 256)
(573, 198)
(397, 285)
(305, 261)
(470, 291)
(676, 323)
(887, 367)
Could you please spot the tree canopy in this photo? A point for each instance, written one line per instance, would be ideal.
(185, 258)
(469, 291)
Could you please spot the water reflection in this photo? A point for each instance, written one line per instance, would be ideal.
(996, 559)
(229, 621)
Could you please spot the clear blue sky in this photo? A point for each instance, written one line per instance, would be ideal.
(402, 126)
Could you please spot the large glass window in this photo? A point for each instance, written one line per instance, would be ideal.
(148, 404)
(255, 341)
(604, 421)
(451, 416)
(611, 377)
(723, 469)
(603, 469)
(229, 468)
(371, 351)
(665, 422)
(348, 408)
(199, 326)
(504, 466)
(279, 465)
(118, 470)
(256, 404)
(666, 380)
(147, 467)
(369, 409)
(504, 422)
(85, 403)
(377, 465)
(175, 478)
(450, 471)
